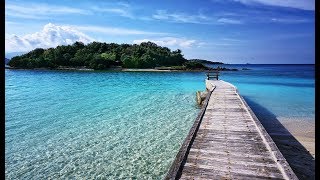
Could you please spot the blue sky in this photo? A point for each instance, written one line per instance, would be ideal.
(231, 31)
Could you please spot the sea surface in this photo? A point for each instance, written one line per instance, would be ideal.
(115, 125)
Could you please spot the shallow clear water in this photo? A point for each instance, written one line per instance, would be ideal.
(125, 124)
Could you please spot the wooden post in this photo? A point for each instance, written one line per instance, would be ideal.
(214, 74)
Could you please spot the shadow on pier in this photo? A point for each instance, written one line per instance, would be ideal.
(300, 160)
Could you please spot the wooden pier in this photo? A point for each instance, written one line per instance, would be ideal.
(227, 141)
(213, 75)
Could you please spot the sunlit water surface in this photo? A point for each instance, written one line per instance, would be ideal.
(125, 124)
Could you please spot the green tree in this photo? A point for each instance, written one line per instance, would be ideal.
(101, 56)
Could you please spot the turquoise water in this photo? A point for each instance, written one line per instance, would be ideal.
(96, 124)
(287, 91)
(125, 124)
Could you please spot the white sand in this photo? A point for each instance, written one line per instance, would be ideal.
(303, 130)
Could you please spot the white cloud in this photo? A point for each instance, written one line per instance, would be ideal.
(127, 5)
(50, 36)
(53, 35)
(40, 11)
(228, 21)
(117, 11)
(116, 31)
(120, 9)
(289, 20)
(181, 17)
(196, 19)
(232, 40)
(171, 42)
(290, 36)
(11, 22)
(299, 4)
(45, 11)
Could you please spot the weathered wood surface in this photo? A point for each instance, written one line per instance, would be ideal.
(230, 143)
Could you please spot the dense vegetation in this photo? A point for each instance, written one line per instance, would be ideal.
(205, 61)
(100, 56)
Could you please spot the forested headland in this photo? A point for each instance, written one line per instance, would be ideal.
(205, 61)
(102, 56)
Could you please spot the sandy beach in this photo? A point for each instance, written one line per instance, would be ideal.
(303, 130)
(295, 138)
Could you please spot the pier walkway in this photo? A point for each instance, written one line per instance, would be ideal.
(227, 141)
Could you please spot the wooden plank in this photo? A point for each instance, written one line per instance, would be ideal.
(177, 166)
(228, 142)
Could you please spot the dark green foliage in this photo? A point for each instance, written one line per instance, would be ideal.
(223, 69)
(98, 55)
(102, 61)
(194, 65)
(205, 61)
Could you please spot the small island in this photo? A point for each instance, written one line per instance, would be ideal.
(104, 56)
(146, 56)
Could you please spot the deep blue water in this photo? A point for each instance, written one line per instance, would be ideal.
(125, 124)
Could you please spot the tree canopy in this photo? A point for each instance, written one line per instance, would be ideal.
(97, 55)
(205, 61)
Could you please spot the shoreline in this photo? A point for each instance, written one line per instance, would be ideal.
(297, 143)
(303, 130)
(127, 69)
(111, 70)
(160, 70)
